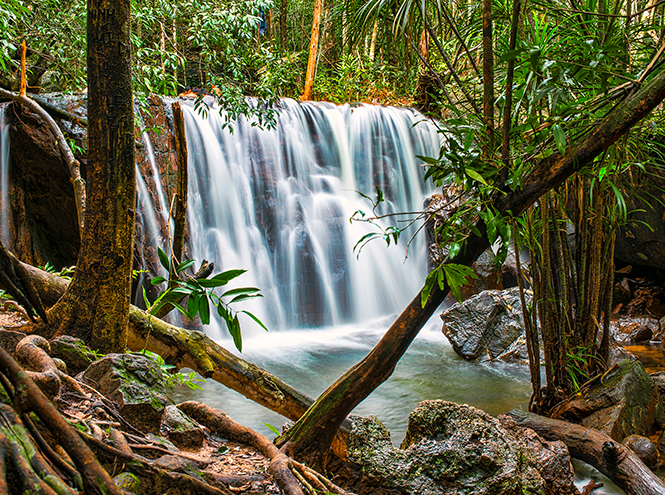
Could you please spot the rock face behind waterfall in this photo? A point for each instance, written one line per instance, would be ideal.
(488, 326)
(457, 449)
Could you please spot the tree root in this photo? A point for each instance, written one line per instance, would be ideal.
(34, 473)
(29, 397)
(288, 474)
(153, 480)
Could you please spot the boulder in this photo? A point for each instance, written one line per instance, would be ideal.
(623, 402)
(659, 379)
(135, 382)
(74, 352)
(634, 328)
(644, 448)
(641, 240)
(488, 326)
(181, 429)
(457, 449)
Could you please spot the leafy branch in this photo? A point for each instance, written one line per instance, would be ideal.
(201, 296)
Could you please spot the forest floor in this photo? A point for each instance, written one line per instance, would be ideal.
(243, 469)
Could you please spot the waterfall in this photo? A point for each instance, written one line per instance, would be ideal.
(4, 179)
(277, 203)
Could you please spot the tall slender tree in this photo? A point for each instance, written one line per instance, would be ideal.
(96, 304)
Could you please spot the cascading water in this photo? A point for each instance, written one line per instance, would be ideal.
(4, 178)
(278, 202)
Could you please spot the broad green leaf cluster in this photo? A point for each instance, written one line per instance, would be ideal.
(201, 297)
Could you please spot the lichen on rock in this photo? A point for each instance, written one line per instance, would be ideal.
(136, 383)
(457, 449)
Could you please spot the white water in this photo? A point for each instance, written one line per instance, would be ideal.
(278, 202)
(4, 178)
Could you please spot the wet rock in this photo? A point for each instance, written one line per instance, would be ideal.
(488, 327)
(644, 448)
(626, 401)
(634, 328)
(181, 429)
(457, 449)
(128, 483)
(42, 214)
(659, 380)
(74, 352)
(641, 240)
(136, 383)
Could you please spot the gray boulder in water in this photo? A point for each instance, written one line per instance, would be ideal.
(458, 449)
(488, 326)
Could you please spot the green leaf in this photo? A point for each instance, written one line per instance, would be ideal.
(271, 428)
(427, 289)
(204, 310)
(379, 196)
(158, 280)
(184, 265)
(193, 305)
(234, 329)
(559, 138)
(454, 250)
(241, 290)
(163, 259)
(244, 297)
(363, 240)
(428, 159)
(255, 319)
(145, 299)
(475, 175)
(224, 277)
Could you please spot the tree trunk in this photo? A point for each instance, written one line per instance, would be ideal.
(96, 305)
(283, 10)
(310, 438)
(612, 459)
(488, 78)
(313, 48)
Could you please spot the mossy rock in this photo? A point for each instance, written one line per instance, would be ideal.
(136, 383)
(453, 449)
(181, 429)
(625, 401)
(74, 352)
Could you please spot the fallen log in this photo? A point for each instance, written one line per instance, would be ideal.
(193, 349)
(614, 460)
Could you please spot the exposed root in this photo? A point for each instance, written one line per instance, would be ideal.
(17, 281)
(153, 480)
(291, 476)
(34, 474)
(29, 397)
